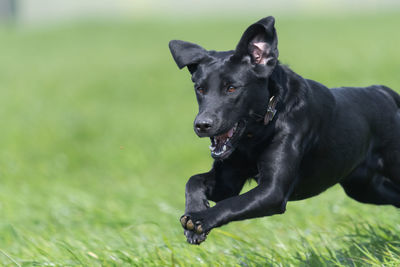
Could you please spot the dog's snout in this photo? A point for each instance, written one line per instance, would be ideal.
(203, 125)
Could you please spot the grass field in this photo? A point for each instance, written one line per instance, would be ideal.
(96, 145)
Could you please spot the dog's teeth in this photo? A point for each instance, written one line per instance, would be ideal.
(224, 148)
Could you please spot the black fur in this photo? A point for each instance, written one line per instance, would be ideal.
(319, 136)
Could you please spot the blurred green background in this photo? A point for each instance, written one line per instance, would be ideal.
(96, 139)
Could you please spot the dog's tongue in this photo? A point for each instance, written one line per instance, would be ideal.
(226, 135)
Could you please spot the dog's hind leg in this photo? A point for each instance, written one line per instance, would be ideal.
(367, 186)
(377, 180)
(392, 165)
(391, 152)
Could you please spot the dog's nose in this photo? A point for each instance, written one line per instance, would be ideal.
(204, 125)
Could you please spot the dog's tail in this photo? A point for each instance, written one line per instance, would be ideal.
(393, 94)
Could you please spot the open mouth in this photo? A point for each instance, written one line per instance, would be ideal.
(223, 145)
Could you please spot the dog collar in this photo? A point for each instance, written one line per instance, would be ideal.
(271, 110)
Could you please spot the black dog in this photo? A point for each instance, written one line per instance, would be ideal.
(294, 136)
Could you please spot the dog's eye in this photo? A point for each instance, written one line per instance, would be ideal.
(200, 90)
(231, 89)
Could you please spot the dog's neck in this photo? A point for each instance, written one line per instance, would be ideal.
(277, 82)
(279, 92)
(287, 86)
(275, 93)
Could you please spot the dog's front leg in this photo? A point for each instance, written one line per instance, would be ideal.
(197, 189)
(196, 201)
(277, 169)
(225, 180)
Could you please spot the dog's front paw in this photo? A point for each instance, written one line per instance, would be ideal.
(195, 231)
(188, 224)
(194, 238)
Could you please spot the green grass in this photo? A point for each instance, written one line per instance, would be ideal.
(96, 145)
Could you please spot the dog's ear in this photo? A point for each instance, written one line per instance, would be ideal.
(260, 43)
(187, 54)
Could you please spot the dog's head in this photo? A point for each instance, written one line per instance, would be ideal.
(230, 85)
